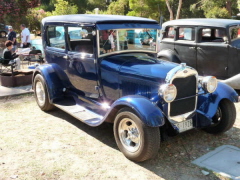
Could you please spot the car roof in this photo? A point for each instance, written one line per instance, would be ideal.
(203, 22)
(96, 19)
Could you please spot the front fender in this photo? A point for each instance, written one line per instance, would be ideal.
(208, 103)
(149, 113)
(55, 78)
(170, 55)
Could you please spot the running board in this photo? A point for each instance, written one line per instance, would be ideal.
(79, 112)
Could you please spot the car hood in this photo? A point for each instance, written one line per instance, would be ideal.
(142, 65)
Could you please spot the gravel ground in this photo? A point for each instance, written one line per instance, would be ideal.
(54, 145)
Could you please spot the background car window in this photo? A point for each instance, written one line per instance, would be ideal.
(81, 39)
(186, 34)
(213, 35)
(169, 33)
(234, 33)
(56, 36)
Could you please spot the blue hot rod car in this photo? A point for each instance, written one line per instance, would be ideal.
(96, 76)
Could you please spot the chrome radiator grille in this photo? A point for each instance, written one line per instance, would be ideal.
(185, 100)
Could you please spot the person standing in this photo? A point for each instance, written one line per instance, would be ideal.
(25, 36)
(12, 37)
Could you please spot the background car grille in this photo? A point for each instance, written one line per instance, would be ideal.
(186, 87)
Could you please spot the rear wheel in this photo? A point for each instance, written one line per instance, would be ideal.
(41, 94)
(136, 141)
(224, 118)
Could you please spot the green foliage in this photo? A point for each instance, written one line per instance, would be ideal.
(34, 18)
(217, 12)
(120, 7)
(63, 7)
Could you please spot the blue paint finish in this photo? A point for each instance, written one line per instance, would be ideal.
(208, 103)
(201, 120)
(149, 113)
(55, 79)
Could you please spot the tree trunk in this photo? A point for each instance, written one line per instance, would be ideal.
(179, 9)
(228, 7)
(170, 10)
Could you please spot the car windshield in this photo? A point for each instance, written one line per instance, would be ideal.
(235, 36)
(127, 39)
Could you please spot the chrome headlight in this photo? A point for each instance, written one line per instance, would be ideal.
(168, 92)
(209, 83)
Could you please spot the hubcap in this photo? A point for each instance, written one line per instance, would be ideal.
(40, 93)
(129, 134)
(217, 117)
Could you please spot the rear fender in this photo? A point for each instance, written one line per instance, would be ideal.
(208, 103)
(148, 112)
(55, 78)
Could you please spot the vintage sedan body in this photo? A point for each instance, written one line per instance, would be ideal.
(98, 80)
(211, 46)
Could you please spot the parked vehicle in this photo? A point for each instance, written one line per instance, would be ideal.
(211, 46)
(3, 30)
(144, 97)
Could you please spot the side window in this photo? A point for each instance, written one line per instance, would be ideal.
(212, 35)
(169, 33)
(81, 39)
(186, 33)
(56, 37)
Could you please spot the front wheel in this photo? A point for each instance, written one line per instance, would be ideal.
(224, 118)
(41, 94)
(136, 141)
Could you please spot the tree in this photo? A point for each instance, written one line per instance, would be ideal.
(216, 8)
(14, 11)
(63, 7)
(34, 18)
(171, 3)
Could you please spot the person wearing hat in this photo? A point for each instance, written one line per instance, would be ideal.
(12, 37)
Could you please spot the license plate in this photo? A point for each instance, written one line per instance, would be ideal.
(185, 125)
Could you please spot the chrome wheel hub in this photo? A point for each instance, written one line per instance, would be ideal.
(40, 93)
(129, 134)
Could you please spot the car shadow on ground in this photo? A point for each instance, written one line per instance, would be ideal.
(175, 154)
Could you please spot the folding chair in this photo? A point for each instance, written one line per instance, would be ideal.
(5, 66)
(34, 56)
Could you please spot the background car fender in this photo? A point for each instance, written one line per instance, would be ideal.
(148, 112)
(208, 103)
(55, 78)
(169, 55)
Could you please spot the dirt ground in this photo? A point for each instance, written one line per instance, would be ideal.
(54, 145)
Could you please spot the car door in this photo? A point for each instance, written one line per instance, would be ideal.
(185, 45)
(55, 47)
(81, 67)
(212, 52)
(234, 50)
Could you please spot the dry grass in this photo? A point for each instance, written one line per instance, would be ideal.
(39, 145)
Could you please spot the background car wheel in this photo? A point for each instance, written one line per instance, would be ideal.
(3, 34)
(41, 94)
(224, 118)
(136, 141)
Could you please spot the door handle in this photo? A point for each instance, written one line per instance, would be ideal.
(191, 47)
(198, 48)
